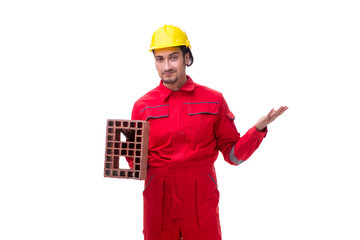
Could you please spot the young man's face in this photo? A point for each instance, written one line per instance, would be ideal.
(171, 66)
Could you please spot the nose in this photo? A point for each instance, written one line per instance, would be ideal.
(167, 65)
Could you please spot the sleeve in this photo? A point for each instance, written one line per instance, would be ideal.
(134, 116)
(235, 148)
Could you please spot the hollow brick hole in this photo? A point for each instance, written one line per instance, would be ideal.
(119, 135)
(122, 133)
(123, 164)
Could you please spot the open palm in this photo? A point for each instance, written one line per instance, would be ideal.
(271, 116)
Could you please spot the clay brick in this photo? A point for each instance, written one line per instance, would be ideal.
(116, 147)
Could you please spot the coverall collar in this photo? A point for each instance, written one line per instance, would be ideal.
(189, 86)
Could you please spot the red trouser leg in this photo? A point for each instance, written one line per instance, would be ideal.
(181, 205)
(202, 212)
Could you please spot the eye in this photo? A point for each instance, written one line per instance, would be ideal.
(175, 57)
(159, 59)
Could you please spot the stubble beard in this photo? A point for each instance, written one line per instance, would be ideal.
(170, 81)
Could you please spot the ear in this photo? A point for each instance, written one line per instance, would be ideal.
(187, 58)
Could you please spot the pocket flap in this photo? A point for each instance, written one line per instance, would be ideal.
(155, 111)
(203, 108)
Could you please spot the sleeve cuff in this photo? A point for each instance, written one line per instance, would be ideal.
(262, 133)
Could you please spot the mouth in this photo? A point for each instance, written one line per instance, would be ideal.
(169, 73)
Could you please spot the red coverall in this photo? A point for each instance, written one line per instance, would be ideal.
(187, 129)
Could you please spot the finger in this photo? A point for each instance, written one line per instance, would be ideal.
(280, 111)
(268, 116)
(274, 115)
(125, 131)
(277, 112)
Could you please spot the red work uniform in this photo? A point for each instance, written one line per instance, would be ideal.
(188, 128)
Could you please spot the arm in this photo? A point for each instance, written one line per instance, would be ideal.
(248, 143)
(235, 148)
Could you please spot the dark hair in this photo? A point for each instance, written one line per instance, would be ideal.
(186, 50)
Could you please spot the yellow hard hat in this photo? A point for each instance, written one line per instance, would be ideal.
(169, 36)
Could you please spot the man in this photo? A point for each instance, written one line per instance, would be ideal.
(189, 125)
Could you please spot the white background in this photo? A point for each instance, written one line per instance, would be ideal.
(67, 66)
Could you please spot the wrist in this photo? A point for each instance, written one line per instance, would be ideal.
(260, 129)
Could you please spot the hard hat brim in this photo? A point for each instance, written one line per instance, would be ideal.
(168, 46)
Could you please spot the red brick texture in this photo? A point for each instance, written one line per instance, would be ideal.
(117, 147)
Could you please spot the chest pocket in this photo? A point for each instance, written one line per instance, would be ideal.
(211, 108)
(201, 119)
(158, 117)
(161, 111)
